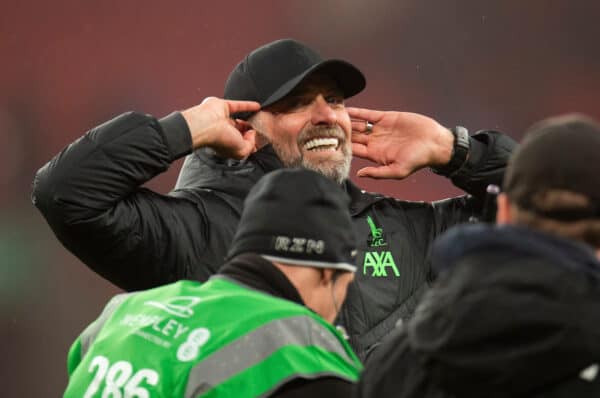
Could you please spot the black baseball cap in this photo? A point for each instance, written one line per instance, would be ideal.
(557, 154)
(297, 216)
(271, 71)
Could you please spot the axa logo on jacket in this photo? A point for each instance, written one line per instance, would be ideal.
(376, 261)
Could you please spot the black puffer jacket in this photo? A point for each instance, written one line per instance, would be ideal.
(91, 196)
(514, 313)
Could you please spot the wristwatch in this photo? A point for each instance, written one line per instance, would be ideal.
(460, 153)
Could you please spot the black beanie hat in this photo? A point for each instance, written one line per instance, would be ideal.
(557, 154)
(272, 71)
(298, 217)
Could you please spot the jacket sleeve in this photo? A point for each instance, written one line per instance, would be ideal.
(91, 196)
(488, 157)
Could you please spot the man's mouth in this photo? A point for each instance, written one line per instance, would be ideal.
(322, 144)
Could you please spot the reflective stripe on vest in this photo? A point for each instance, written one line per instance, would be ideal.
(306, 349)
(89, 334)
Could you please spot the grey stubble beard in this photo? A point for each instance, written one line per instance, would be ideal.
(337, 172)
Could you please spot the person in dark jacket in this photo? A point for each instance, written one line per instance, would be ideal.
(514, 312)
(261, 327)
(92, 198)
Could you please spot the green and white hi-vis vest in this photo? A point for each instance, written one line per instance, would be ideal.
(204, 340)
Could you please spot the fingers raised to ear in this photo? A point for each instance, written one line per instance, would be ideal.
(365, 114)
(360, 138)
(242, 106)
(242, 125)
(360, 126)
(360, 150)
(250, 137)
(380, 172)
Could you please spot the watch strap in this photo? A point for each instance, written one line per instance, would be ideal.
(460, 153)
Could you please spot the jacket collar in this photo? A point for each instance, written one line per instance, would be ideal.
(257, 273)
(359, 198)
(204, 170)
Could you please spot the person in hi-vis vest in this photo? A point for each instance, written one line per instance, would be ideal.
(262, 326)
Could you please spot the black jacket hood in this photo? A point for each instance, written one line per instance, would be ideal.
(513, 313)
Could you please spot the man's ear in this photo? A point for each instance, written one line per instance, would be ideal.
(503, 214)
(261, 138)
(243, 126)
(249, 133)
(327, 276)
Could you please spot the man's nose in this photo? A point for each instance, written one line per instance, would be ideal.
(322, 113)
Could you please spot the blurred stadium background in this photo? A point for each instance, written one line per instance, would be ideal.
(67, 66)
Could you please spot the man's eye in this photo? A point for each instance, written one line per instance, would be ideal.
(296, 102)
(335, 99)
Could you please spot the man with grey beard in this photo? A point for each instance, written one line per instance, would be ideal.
(283, 106)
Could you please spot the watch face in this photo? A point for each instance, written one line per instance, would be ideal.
(461, 136)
